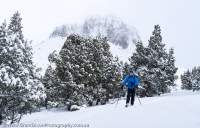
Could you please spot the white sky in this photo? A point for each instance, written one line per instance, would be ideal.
(179, 20)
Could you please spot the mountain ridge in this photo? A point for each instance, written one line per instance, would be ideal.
(117, 31)
(121, 38)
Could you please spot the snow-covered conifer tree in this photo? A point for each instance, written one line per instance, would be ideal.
(191, 79)
(156, 64)
(86, 71)
(20, 88)
(186, 80)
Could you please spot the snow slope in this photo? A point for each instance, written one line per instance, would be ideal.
(42, 50)
(175, 110)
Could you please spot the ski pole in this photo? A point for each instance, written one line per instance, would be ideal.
(139, 100)
(118, 100)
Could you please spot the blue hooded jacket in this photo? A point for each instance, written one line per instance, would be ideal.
(131, 81)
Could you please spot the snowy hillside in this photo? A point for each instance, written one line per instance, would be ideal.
(121, 38)
(175, 110)
(42, 50)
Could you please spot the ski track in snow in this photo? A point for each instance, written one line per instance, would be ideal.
(174, 110)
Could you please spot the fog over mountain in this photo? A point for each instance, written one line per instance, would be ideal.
(117, 31)
(120, 35)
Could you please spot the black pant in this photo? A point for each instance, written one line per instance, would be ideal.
(131, 94)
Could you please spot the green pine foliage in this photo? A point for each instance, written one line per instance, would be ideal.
(155, 65)
(82, 72)
(191, 79)
(20, 86)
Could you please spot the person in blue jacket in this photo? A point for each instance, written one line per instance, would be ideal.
(131, 81)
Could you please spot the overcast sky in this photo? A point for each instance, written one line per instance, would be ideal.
(179, 20)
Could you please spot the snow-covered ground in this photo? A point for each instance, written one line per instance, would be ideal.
(179, 109)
